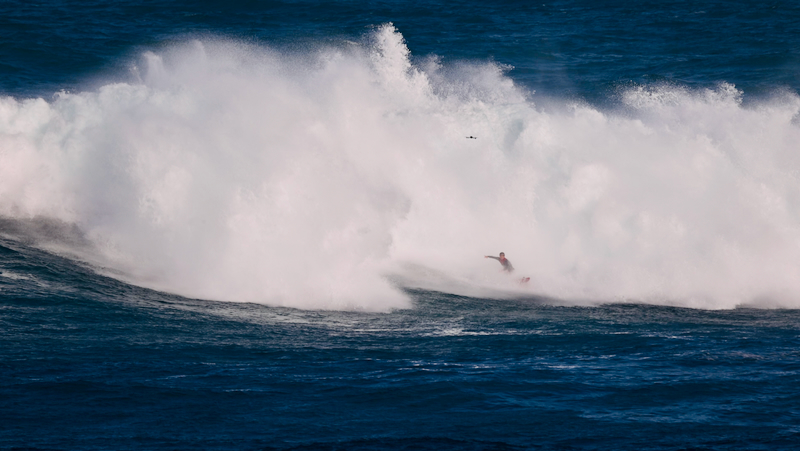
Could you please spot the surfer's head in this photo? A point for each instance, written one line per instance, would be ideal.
(502, 254)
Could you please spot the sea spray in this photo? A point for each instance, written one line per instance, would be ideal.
(314, 179)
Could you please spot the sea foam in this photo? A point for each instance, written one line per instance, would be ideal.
(321, 178)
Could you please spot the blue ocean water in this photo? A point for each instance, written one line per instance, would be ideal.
(92, 363)
(260, 225)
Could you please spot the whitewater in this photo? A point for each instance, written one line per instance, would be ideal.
(339, 175)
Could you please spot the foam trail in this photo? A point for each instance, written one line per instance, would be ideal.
(238, 173)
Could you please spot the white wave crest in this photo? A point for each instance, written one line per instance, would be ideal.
(239, 173)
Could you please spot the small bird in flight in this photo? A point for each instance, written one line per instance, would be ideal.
(472, 137)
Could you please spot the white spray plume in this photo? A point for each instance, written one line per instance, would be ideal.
(238, 173)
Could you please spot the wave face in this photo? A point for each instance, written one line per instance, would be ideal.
(235, 172)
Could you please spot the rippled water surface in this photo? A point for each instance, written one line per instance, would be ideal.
(259, 225)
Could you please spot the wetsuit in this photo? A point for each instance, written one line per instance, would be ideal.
(505, 262)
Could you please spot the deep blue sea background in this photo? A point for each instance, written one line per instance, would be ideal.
(88, 362)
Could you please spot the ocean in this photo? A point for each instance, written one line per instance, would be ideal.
(264, 225)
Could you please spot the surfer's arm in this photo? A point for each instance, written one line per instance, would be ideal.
(489, 256)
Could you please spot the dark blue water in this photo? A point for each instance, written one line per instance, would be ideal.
(90, 362)
(574, 47)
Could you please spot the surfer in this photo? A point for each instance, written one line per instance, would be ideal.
(503, 261)
(507, 267)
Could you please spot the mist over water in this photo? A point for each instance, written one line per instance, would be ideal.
(323, 178)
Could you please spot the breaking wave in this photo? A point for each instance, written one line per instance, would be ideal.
(319, 179)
